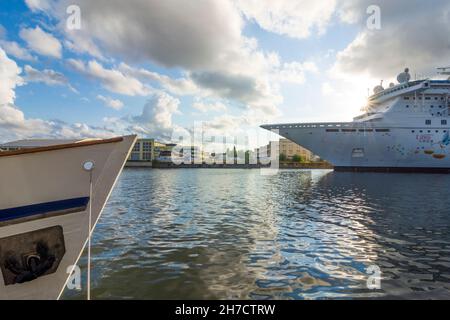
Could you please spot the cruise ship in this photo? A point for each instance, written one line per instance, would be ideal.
(404, 128)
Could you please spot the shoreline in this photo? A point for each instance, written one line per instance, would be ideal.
(154, 165)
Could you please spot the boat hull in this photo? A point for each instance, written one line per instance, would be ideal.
(349, 146)
(50, 189)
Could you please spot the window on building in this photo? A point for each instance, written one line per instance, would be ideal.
(147, 156)
(137, 147)
(146, 146)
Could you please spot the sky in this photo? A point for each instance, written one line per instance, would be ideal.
(81, 68)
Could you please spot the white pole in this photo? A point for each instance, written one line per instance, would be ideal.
(89, 167)
(89, 239)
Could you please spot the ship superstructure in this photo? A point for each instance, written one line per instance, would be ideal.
(404, 128)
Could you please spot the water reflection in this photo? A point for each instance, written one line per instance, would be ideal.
(198, 234)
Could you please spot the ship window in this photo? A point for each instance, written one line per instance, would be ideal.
(382, 130)
(428, 122)
(427, 98)
(332, 130)
(413, 131)
(435, 98)
(443, 122)
(365, 130)
(348, 130)
(407, 105)
(406, 98)
(432, 106)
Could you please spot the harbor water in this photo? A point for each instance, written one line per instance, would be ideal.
(298, 234)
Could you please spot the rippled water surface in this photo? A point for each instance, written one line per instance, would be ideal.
(236, 234)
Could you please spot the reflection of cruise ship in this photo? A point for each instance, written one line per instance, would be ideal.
(404, 128)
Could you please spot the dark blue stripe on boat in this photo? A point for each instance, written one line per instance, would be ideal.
(43, 208)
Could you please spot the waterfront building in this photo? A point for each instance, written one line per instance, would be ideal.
(287, 148)
(291, 149)
(144, 152)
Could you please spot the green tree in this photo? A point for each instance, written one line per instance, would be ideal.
(282, 157)
(296, 158)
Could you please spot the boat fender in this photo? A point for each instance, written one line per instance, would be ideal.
(35, 264)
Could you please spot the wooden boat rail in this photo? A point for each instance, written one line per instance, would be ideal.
(59, 147)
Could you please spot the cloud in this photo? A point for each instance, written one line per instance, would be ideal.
(110, 102)
(180, 86)
(231, 86)
(203, 38)
(111, 79)
(14, 49)
(14, 125)
(413, 33)
(38, 5)
(207, 107)
(41, 42)
(47, 76)
(293, 72)
(156, 117)
(172, 33)
(9, 78)
(296, 19)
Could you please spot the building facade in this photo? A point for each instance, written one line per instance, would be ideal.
(144, 152)
(290, 149)
(287, 148)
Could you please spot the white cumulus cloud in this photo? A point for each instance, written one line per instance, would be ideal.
(9, 79)
(111, 79)
(110, 102)
(296, 19)
(41, 42)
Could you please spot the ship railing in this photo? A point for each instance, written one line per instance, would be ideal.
(313, 125)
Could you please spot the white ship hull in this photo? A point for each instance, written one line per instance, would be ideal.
(352, 146)
(44, 206)
(404, 128)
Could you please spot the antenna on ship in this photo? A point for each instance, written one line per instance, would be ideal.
(404, 77)
(378, 88)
